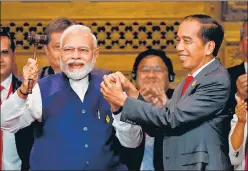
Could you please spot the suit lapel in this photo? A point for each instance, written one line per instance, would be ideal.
(199, 78)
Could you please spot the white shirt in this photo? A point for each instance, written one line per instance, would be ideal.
(201, 68)
(10, 158)
(18, 113)
(237, 157)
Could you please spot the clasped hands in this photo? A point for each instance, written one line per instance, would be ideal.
(116, 88)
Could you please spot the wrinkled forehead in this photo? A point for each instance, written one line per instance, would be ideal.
(78, 38)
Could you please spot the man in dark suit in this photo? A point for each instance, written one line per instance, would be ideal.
(238, 73)
(194, 120)
(152, 72)
(15, 148)
(238, 134)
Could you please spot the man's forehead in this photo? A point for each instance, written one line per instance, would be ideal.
(5, 42)
(151, 58)
(84, 38)
(188, 27)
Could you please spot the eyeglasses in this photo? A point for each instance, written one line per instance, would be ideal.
(69, 50)
(156, 69)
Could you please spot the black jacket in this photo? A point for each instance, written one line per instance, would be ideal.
(234, 73)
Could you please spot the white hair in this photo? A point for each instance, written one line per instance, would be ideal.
(78, 27)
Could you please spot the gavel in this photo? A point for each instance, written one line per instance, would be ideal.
(35, 39)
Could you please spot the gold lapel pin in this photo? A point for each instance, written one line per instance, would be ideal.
(107, 119)
(194, 83)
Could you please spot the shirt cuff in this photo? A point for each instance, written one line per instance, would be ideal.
(118, 111)
(18, 101)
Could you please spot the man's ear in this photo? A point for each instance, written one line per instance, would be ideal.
(210, 46)
(95, 55)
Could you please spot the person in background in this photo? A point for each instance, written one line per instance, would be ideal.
(238, 73)
(14, 147)
(152, 73)
(54, 30)
(238, 137)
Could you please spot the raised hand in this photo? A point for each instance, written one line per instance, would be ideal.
(242, 86)
(154, 93)
(30, 71)
(113, 92)
(241, 110)
(126, 85)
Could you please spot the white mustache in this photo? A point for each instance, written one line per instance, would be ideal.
(78, 61)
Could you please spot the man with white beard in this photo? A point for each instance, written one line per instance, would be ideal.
(79, 131)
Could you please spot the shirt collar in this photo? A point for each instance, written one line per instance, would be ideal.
(201, 68)
(81, 82)
(6, 83)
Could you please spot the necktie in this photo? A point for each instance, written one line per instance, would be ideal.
(186, 84)
(1, 136)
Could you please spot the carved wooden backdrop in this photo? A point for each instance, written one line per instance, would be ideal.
(123, 29)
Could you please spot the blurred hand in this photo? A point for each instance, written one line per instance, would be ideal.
(30, 71)
(154, 93)
(242, 86)
(113, 92)
(241, 110)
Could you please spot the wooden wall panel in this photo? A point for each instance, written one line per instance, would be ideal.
(117, 18)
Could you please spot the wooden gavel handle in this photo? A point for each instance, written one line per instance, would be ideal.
(30, 86)
(30, 81)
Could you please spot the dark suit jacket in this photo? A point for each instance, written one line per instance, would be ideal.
(234, 72)
(196, 125)
(24, 137)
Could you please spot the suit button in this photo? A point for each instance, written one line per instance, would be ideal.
(87, 162)
(85, 129)
(83, 111)
(86, 145)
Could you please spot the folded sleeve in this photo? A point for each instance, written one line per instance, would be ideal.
(17, 113)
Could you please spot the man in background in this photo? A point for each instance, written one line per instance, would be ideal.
(152, 73)
(14, 148)
(54, 30)
(238, 134)
(238, 137)
(238, 73)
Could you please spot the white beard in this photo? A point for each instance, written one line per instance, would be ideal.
(76, 74)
